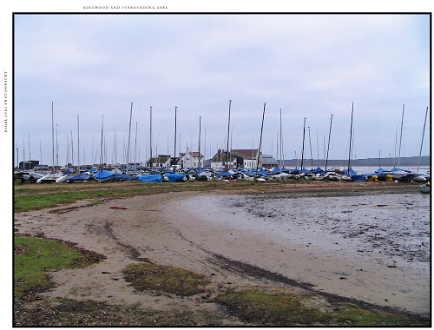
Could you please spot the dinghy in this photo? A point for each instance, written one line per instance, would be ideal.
(53, 177)
(103, 176)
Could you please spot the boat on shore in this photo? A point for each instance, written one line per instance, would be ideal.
(54, 176)
(102, 176)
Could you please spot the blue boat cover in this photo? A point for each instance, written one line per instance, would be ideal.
(224, 174)
(123, 177)
(151, 178)
(359, 178)
(295, 171)
(381, 170)
(262, 171)
(318, 170)
(81, 177)
(103, 175)
(175, 177)
(276, 170)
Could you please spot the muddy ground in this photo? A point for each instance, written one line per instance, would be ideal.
(156, 228)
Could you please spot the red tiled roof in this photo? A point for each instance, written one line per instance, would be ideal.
(246, 152)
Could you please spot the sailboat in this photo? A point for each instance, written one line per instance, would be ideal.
(53, 176)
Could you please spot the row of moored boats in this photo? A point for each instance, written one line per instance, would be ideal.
(180, 175)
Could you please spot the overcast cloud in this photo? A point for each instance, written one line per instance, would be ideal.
(313, 66)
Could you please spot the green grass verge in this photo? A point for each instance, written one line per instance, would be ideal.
(293, 309)
(167, 279)
(29, 197)
(33, 257)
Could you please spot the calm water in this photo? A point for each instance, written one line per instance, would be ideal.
(372, 169)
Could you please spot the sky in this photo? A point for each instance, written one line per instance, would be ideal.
(307, 71)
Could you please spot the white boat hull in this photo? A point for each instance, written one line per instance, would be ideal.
(62, 178)
(53, 177)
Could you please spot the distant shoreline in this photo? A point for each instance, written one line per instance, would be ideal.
(383, 162)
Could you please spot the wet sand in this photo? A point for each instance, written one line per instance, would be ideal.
(357, 247)
(163, 229)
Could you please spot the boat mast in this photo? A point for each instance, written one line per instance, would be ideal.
(328, 145)
(227, 140)
(52, 129)
(310, 143)
(281, 141)
(421, 143)
(129, 136)
(150, 136)
(302, 151)
(101, 151)
(260, 141)
(72, 150)
(135, 146)
(174, 144)
(200, 122)
(400, 138)
(78, 142)
(351, 139)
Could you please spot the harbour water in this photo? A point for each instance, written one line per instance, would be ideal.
(372, 169)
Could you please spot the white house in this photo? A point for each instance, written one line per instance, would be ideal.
(161, 161)
(220, 163)
(245, 158)
(192, 159)
(248, 158)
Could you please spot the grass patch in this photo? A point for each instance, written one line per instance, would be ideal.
(292, 309)
(182, 282)
(33, 257)
(29, 196)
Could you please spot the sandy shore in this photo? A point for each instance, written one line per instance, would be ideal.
(157, 228)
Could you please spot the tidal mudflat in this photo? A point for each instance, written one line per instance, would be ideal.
(373, 247)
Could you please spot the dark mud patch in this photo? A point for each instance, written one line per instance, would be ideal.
(245, 269)
(130, 250)
(70, 209)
